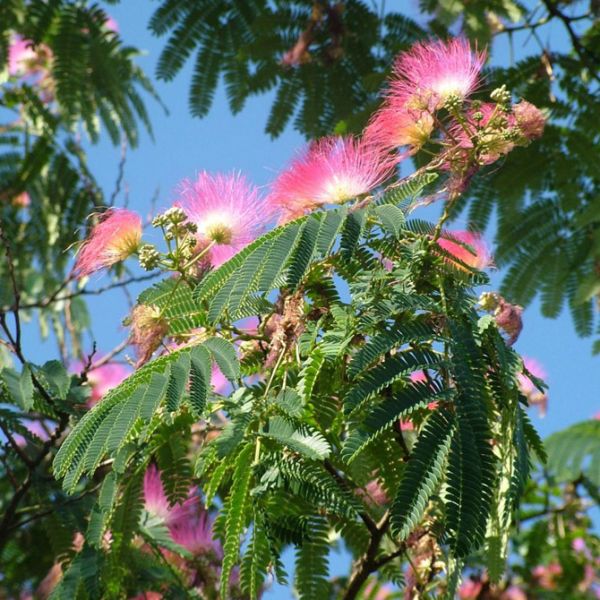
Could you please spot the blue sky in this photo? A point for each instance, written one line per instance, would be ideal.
(221, 142)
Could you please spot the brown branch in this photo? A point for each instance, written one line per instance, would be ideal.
(590, 59)
(369, 563)
(54, 297)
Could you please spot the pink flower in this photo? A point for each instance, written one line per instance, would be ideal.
(22, 200)
(530, 119)
(478, 258)
(373, 493)
(490, 127)
(148, 328)
(21, 56)
(193, 531)
(116, 236)
(470, 589)
(384, 592)
(513, 592)
(102, 379)
(218, 381)
(529, 390)
(227, 210)
(105, 378)
(40, 429)
(157, 504)
(330, 171)
(509, 318)
(418, 377)
(111, 25)
(434, 71)
(546, 575)
(578, 544)
(398, 123)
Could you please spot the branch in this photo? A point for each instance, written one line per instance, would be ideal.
(369, 563)
(590, 59)
(54, 297)
(366, 518)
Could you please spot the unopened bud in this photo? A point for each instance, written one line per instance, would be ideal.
(149, 257)
(158, 221)
(452, 102)
(501, 95)
(175, 215)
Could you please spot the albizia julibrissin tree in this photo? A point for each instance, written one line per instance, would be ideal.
(316, 368)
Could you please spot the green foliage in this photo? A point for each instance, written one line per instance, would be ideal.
(575, 452)
(133, 406)
(236, 509)
(423, 473)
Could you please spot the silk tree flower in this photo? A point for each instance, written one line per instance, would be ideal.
(546, 576)
(513, 592)
(40, 429)
(492, 130)
(399, 124)
(436, 71)
(530, 119)
(331, 170)
(102, 379)
(192, 529)
(228, 212)
(528, 388)
(478, 258)
(22, 200)
(470, 589)
(148, 328)
(114, 238)
(111, 25)
(157, 504)
(21, 56)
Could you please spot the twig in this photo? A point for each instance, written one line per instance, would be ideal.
(54, 297)
(590, 59)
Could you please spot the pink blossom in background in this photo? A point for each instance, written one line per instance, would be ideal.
(102, 379)
(105, 378)
(227, 210)
(435, 70)
(383, 593)
(116, 236)
(397, 124)
(418, 377)
(597, 416)
(41, 429)
(513, 592)
(529, 390)
(530, 119)
(479, 258)
(470, 589)
(111, 25)
(21, 56)
(546, 575)
(21, 201)
(330, 171)
(193, 531)
(157, 504)
(373, 493)
(218, 381)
